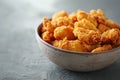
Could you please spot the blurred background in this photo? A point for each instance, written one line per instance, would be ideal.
(20, 57)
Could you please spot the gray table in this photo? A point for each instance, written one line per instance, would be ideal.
(20, 57)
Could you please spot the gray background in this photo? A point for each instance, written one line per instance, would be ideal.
(20, 57)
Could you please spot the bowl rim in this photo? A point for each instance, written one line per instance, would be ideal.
(37, 31)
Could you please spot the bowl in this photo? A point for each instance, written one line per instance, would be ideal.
(77, 61)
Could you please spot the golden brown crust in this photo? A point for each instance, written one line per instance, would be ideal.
(102, 28)
(62, 21)
(81, 31)
(85, 24)
(47, 25)
(64, 31)
(86, 35)
(60, 14)
(110, 36)
(102, 48)
(73, 17)
(73, 45)
(47, 36)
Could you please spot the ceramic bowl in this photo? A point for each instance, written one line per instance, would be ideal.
(77, 61)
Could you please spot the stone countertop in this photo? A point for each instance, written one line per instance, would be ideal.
(20, 57)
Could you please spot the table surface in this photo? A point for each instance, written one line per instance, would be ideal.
(20, 56)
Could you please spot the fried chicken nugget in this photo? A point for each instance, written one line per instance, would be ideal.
(86, 35)
(117, 42)
(83, 15)
(73, 45)
(102, 28)
(60, 14)
(103, 48)
(47, 26)
(47, 36)
(108, 22)
(81, 31)
(90, 47)
(62, 21)
(110, 36)
(86, 24)
(97, 13)
(58, 43)
(111, 24)
(64, 31)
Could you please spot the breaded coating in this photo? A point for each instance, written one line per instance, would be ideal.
(97, 13)
(73, 17)
(47, 26)
(47, 36)
(102, 28)
(60, 14)
(73, 45)
(111, 24)
(64, 31)
(62, 21)
(90, 47)
(110, 36)
(83, 15)
(58, 43)
(87, 36)
(81, 31)
(108, 22)
(118, 42)
(85, 24)
(103, 48)
(92, 20)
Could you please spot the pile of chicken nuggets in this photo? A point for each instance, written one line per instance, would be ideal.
(81, 31)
